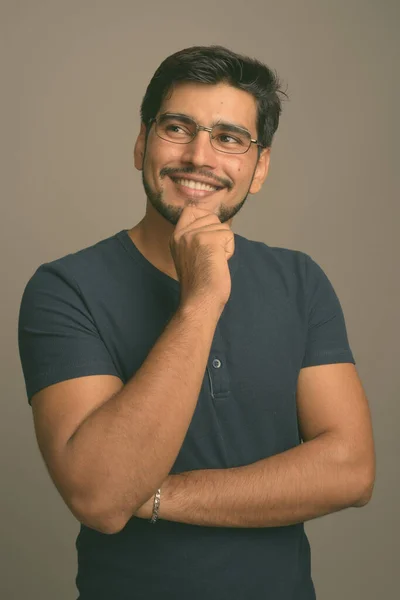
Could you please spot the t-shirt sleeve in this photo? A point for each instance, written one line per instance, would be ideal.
(327, 340)
(57, 336)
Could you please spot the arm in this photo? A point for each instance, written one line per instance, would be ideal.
(333, 469)
(109, 446)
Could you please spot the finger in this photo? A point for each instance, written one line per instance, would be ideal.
(191, 213)
(203, 227)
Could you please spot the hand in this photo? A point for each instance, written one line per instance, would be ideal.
(201, 246)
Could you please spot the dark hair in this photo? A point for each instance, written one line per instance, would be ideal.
(212, 65)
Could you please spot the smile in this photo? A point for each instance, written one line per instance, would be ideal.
(196, 185)
(188, 188)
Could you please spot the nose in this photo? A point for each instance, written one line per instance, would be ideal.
(199, 151)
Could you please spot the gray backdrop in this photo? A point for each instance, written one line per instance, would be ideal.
(74, 73)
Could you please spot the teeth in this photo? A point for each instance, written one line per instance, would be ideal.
(196, 185)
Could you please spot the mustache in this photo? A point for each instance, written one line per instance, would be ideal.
(191, 171)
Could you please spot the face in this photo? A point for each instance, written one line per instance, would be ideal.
(167, 166)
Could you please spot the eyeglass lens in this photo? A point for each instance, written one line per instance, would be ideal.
(181, 130)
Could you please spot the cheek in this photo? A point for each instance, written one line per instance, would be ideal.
(241, 176)
(239, 170)
(233, 171)
(159, 156)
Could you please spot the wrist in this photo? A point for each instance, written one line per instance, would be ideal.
(172, 496)
(201, 309)
(156, 506)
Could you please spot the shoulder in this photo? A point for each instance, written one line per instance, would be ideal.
(77, 268)
(294, 272)
(287, 263)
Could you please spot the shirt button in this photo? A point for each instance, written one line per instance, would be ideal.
(216, 363)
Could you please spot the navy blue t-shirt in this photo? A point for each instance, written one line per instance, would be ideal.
(100, 311)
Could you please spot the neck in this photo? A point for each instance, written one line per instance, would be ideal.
(151, 237)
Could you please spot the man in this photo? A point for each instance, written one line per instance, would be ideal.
(194, 394)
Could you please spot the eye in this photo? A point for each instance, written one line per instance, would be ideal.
(225, 138)
(175, 128)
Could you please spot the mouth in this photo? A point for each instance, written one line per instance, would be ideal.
(194, 189)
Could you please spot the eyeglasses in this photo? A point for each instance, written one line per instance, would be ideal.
(224, 137)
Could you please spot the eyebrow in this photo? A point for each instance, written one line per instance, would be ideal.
(227, 124)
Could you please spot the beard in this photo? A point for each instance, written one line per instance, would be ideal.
(172, 213)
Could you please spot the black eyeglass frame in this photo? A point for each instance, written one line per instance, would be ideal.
(198, 128)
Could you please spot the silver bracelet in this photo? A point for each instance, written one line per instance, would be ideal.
(156, 506)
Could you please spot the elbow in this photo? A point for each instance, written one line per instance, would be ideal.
(364, 497)
(95, 501)
(99, 507)
(103, 523)
(101, 519)
(366, 488)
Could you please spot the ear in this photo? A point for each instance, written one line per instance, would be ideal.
(261, 171)
(138, 152)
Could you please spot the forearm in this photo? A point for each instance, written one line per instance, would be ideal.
(126, 448)
(305, 482)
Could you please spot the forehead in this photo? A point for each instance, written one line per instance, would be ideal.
(209, 103)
